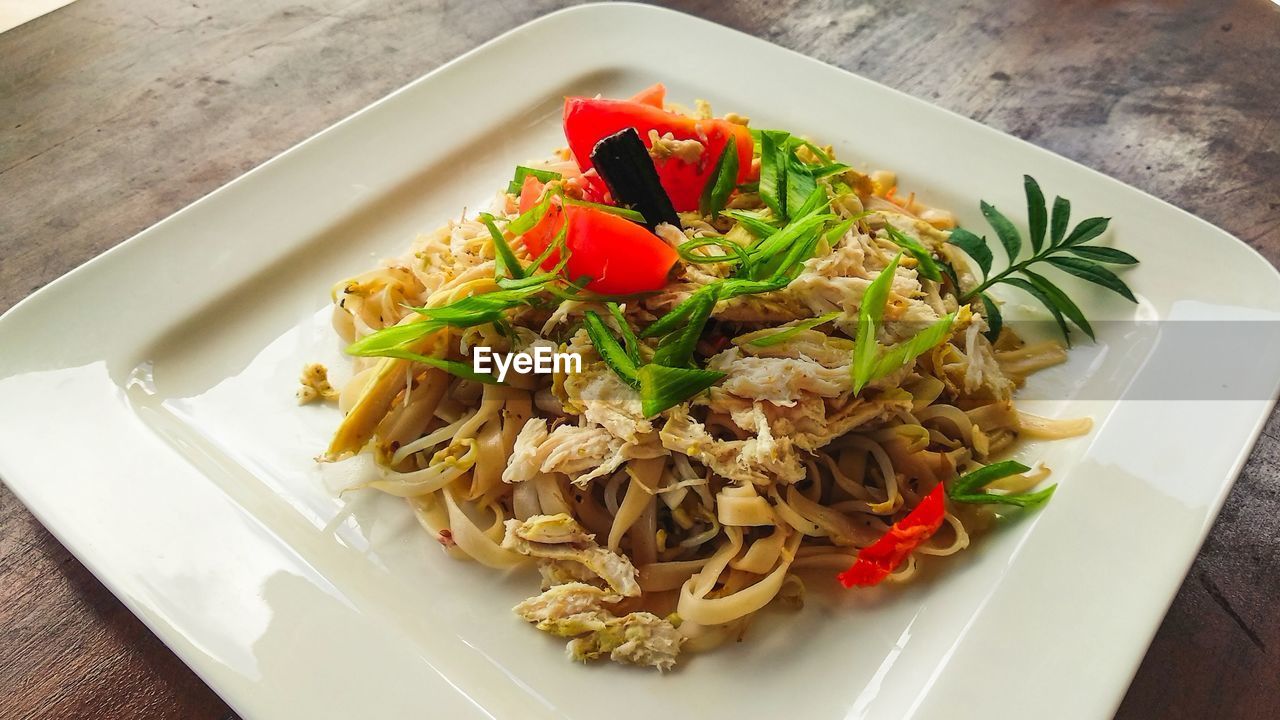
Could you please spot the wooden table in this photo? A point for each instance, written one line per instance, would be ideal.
(115, 114)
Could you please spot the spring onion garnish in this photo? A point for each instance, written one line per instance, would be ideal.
(676, 349)
(631, 215)
(718, 188)
(504, 257)
(787, 184)
(613, 354)
(665, 387)
(733, 252)
(925, 263)
(453, 367)
(629, 339)
(623, 162)
(771, 253)
(773, 170)
(786, 333)
(396, 340)
(968, 488)
(524, 222)
(753, 222)
(1065, 251)
(871, 361)
(517, 182)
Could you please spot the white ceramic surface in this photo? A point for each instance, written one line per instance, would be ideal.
(149, 422)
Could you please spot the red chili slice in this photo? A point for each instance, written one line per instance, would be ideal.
(880, 558)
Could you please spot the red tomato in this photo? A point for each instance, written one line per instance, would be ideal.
(655, 95)
(589, 120)
(530, 193)
(620, 256)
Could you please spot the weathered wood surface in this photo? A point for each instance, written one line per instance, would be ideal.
(115, 114)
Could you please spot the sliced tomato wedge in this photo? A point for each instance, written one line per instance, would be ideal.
(655, 95)
(589, 120)
(618, 255)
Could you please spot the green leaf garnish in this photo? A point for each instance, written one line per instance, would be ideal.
(1061, 216)
(973, 246)
(665, 387)
(517, 182)
(995, 321)
(1094, 273)
(790, 331)
(1059, 300)
(1037, 213)
(1086, 231)
(1005, 230)
(1065, 251)
(1103, 255)
(718, 188)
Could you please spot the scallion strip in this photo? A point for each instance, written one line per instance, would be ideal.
(662, 387)
(753, 223)
(504, 257)
(610, 351)
(676, 349)
(773, 170)
(718, 188)
(736, 253)
(982, 477)
(453, 367)
(517, 182)
(785, 334)
(621, 212)
(629, 339)
(924, 260)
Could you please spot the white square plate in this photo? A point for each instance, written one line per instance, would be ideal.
(149, 422)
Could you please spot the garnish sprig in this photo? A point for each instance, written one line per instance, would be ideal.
(1065, 251)
(971, 487)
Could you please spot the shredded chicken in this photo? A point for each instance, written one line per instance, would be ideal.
(583, 453)
(576, 610)
(315, 385)
(528, 538)
(638, 638)
(665, 146)
(567, 610)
